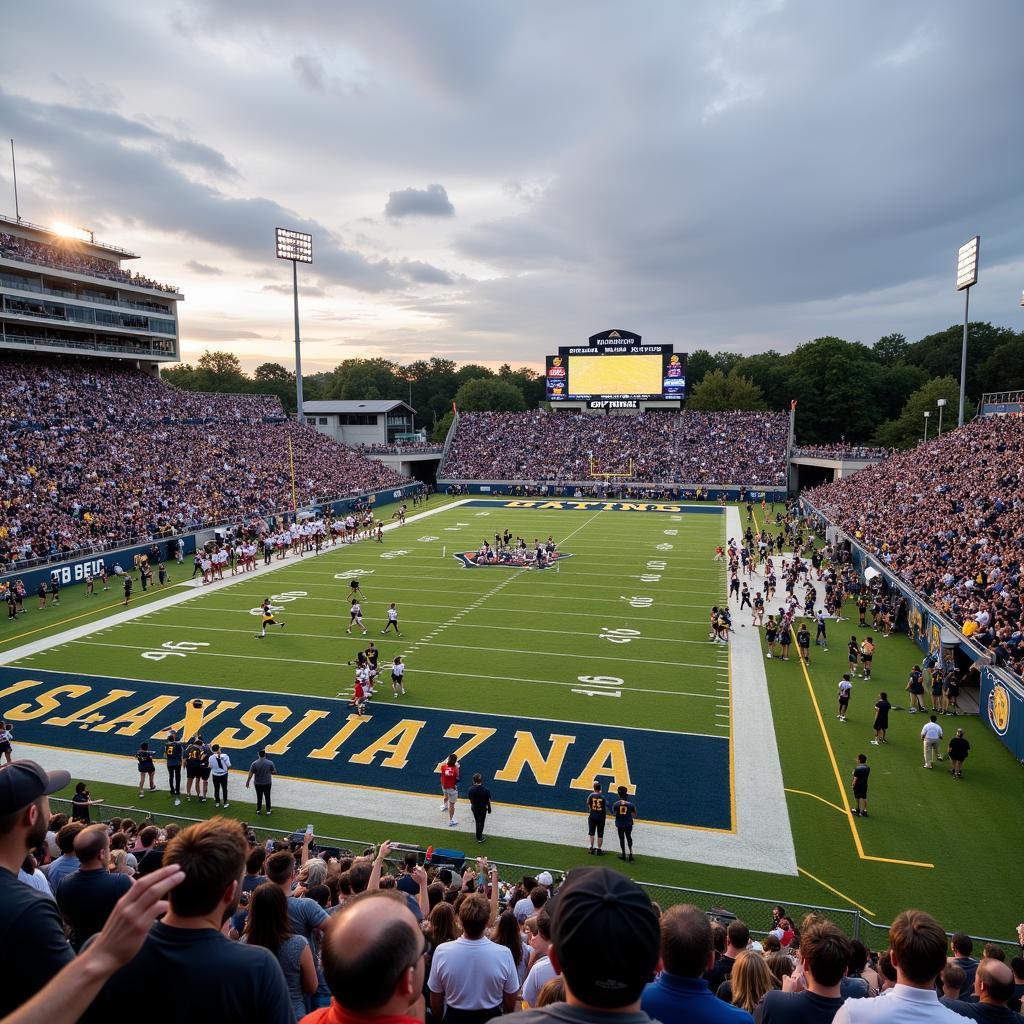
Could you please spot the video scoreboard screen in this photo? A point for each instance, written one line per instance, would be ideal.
(615, 370)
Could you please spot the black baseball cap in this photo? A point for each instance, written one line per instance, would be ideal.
(606, 936)
(23, 782)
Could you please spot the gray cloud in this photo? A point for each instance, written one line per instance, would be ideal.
(431, 201)
(425, 273)
(203, 268)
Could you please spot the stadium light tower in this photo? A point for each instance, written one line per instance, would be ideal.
(296, 246)
(966, 276)
(926, 415)
(941, 403)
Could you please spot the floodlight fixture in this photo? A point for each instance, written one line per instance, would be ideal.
(966, 278)
(296, 246)
(941, 403)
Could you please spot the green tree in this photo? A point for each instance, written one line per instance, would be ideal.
(891, 349)
(471, 371)
(770, 372)
(698, 363)
(719, 392)
(1004, 369)
(908, 429)
(489, 395)
(939, 355)
(220, 371)
(440, 432)
(275, 379)
(375, 378)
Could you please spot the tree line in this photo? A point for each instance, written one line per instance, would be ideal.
(845, 390)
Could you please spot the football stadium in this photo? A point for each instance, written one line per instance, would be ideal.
(340, 706)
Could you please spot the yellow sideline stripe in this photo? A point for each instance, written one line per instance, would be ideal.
(835, 892)
(814, 796)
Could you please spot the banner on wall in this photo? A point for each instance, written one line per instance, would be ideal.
(1002, 707)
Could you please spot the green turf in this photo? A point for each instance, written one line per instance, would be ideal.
(521, 651)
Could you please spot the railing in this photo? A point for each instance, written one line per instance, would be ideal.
(88, 346)
(840, 451)
(756, 911)
(22, 223)
(60, 293)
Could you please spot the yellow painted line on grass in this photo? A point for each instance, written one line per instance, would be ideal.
(835, 891)
(814, 796)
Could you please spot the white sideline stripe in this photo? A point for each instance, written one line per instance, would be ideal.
(130, 613)
(763, 837)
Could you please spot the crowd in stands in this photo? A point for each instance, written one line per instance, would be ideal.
(842, 451)
(400, 448)
(96, 452)
(96, 914)
(66, 257)
(948, 518)
(661, 447)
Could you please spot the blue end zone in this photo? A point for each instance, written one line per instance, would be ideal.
(583, 505)
(675, 778)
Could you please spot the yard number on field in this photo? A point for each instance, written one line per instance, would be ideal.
(622, 635)
(174, 649)
(608, 686)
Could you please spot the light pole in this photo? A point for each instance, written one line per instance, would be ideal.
(941, 403)
(966, 276)
(926, 415)
(296, 246)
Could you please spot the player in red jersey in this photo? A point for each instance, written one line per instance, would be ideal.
(450, 788)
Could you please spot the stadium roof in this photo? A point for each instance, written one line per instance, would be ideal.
(370, 405)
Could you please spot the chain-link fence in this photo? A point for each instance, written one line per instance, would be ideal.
(755, 911)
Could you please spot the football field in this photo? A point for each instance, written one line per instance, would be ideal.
(598, 667)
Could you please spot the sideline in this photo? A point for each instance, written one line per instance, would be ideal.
(836, 892)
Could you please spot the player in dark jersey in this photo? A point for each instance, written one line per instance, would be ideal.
(597, 811)
(173, 752)
(193, 766)
(860, 787)
(144, 756)
(624, 813)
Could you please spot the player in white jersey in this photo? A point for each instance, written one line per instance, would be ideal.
(845, 689)
(392, 620)
(355, 614)
(397, 677)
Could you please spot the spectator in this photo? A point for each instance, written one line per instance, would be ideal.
(605, 944)
(86, 897)
(506, 933)
(1017, 966)
(542, 970)
(149, 851)
(963, 947)
(373, 961)
(268, 925)
(917, 951)
(737, 939)
(751, 980)
(532, 904)
(67, 863)
(472, 979)
(681, 993)
(33, 947)
(233, 983)
(952, 980)
(824, 955)
(307, 919)
(994, 989)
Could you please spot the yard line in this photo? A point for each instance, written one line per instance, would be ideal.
(418, 622)
(295, 613)
(342, 664)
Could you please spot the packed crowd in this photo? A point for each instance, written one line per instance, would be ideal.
(662, 447)
(286, 931)
(65, 257)
(400, 448)
(948, 518)
(96, 452)
(841, 451)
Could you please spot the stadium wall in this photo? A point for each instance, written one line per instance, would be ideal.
(731, 492)
(1001, 698)
(75, 570)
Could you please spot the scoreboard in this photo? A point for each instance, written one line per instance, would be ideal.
(616, 370)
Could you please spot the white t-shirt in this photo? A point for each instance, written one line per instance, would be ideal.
(540, 973)
(932, 732)
(219, 763)
(473, 974)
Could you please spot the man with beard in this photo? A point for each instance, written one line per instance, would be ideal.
(231, 982)
(33, 947)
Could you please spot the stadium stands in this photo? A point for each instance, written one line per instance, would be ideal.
(840, 451)
(664, 447)
(66, 258)
(96, 452)
(948, 517)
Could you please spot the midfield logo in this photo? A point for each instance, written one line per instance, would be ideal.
(472, 560)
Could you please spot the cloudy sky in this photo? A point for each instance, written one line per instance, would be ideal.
(488, 181)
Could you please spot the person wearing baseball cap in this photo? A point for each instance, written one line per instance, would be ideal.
(605, 942)
(33, 946)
